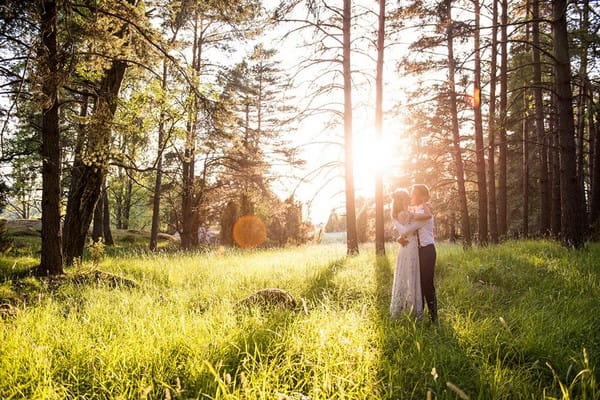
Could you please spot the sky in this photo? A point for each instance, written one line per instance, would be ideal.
(324, 191)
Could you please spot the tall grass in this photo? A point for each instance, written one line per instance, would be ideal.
(519, 320)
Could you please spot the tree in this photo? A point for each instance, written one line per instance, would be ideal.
(502, 136)
(379, 217)
(351, 234)
(492, 206)
(458, 161)
(51, 259)
(482, 211)
(573, 218)
(542, 147)
(228, 220)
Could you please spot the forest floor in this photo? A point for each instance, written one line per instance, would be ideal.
(517, 321)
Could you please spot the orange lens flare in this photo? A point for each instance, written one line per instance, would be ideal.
(249, 232)
(476, 97)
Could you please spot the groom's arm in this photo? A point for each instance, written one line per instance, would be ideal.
(406, 229)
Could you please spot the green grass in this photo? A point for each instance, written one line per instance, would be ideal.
(519, 320)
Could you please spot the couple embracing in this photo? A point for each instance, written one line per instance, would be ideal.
(413, 277)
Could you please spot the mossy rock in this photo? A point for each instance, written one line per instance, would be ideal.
(271, 297)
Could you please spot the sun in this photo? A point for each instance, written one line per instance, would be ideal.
(370, 157)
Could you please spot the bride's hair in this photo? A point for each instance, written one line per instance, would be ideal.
(400, 201)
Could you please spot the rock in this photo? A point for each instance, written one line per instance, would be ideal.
(271, 297)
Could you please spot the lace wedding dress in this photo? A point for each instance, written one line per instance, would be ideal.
(406, 290)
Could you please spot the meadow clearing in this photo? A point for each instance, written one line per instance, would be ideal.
(517, 321)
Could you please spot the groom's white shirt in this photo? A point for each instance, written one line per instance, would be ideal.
(425, 232)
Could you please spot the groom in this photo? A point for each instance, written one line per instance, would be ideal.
(419, 197)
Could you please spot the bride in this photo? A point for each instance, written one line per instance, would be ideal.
(406, 290)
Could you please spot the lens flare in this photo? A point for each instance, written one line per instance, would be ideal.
(249, 232)
(476, 97)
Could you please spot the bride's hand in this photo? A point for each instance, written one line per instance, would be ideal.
(404, 218)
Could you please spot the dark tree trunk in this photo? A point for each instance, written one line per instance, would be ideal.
(555, 223)
(479, 148)
(492, 217)
(502, 138)
(458, 163)
(51, 258)
(188, 203)
(158, 181)
(542, 150)
(98, 219)
(87, 176)
(572, 202)
(379, 220)
(594, 123)
(351, 233)
(126, 210)
(582, 96)
(108, 239)
(525, 173)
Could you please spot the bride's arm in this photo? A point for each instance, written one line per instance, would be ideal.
(408, 228)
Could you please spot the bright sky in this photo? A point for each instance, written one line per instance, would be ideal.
(324, 191)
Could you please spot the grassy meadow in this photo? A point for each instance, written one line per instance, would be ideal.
(517, 321)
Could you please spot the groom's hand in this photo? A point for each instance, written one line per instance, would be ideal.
(402, 241)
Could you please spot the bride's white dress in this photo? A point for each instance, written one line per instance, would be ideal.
(406, 290)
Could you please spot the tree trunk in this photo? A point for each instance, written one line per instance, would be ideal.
(542, 152)
(492, 217)
(502, 145)
(108, 239)
(126, 211)
(458, 162)
(158, 180)
(525, 172)
(595, 160)
(98, 219)
(572, 203)
(351, 234)
(582, 95)
(188, 206)
(479, 148)
(51, 262)
(379, 218)
(87, 174)
(555, 223)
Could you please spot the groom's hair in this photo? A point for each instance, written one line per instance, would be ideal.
(421, 189)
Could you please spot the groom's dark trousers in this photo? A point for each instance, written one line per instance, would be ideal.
(427, 257)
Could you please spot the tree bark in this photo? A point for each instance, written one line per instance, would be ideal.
(98, 219)
(379, 217)
(158, 180)
(542, 150)
(492, 216)
(594, 123)
(51, 262)
(108, 239)
(87, 173)
(525, 172)
(502, 138)
(351, 233)
(479, 148)
(573, 216)
(126, 211)
(188, 206)
(582, 95)
(458, 162)
(555, 216)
